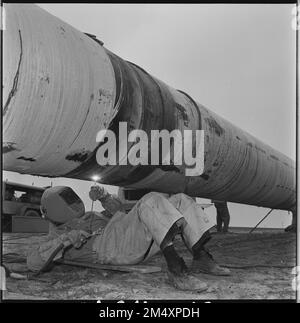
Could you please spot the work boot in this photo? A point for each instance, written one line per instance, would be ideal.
(186, 282)
(204, 263)
(178, 273)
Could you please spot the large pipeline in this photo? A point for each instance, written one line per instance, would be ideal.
(62, 86)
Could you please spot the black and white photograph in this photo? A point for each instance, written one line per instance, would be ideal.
(149, 154)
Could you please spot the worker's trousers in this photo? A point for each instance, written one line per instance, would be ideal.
(134, 237)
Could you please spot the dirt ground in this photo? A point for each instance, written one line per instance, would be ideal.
(260, 263)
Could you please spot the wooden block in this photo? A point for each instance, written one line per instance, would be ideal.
(144, 269)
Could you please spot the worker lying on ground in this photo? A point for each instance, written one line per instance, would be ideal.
(127, 239)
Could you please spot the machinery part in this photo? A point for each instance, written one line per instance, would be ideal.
(61, 87)
(32, 213)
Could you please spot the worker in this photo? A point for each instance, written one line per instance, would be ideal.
(127, 239)
(223, 216)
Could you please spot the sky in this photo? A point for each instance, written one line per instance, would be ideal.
(237, 60)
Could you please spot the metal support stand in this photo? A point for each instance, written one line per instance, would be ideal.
(261, 221)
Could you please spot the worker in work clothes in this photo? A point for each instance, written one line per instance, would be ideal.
(223, 216)
(118, 238)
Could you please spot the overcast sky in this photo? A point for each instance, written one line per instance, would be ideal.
(238, 60)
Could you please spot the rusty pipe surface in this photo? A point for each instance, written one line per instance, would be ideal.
(62, 86)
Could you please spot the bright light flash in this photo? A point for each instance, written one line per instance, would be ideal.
(95, 178)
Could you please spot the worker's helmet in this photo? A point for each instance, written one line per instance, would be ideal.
(61, 204)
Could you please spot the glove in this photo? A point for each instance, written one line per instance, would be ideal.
(97, 192)
(76, 238)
